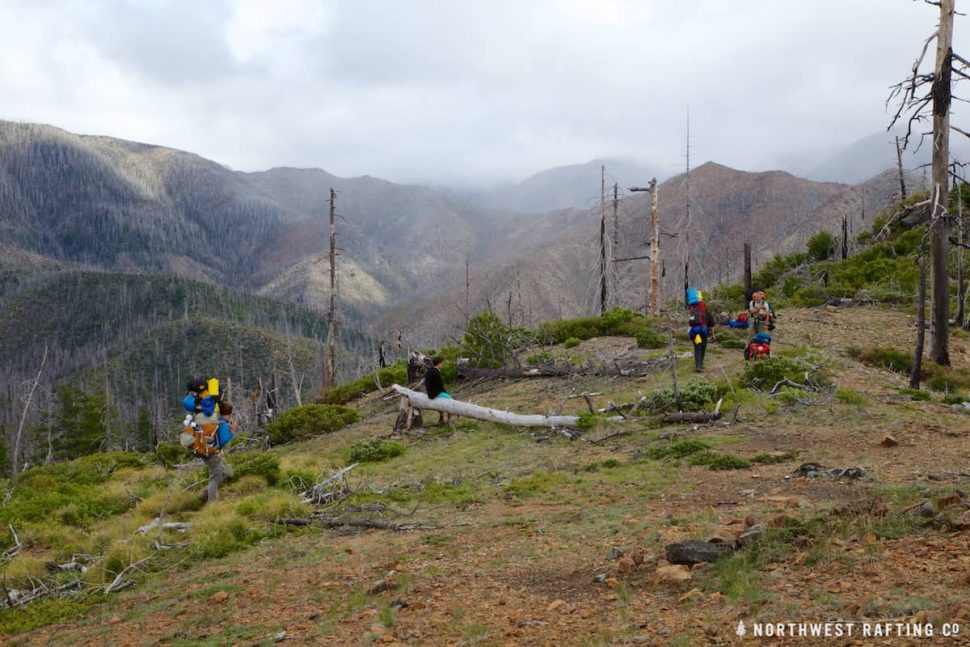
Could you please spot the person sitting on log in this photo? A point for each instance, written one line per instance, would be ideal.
(436, 387)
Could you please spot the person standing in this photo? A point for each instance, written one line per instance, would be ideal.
(759, 314)
(702, 323)
(435, 386)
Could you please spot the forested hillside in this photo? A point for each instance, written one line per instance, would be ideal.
(132, 341)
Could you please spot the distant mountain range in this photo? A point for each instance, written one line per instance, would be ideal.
(69, 201)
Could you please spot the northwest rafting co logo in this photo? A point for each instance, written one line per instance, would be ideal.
(740, 631)
(847, 629)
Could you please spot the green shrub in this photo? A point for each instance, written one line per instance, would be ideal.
(572, 342)
(375, 451)
(890, 359)
(613, 318)
(259, 463)
(310, 420)
(947, 380)
(490, 343)
(917, 394)
(716, 460)
(956, 398)
(584, 328)
(647, 337)
(731, 340)
(541, 357)
(766, 373)
(850, 397)
(588, 420)
(694, 396)
(821, 246)
(170, 454)
(344, 393)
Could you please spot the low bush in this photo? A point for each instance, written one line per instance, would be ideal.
(647, 337)
(572, 342)
(588, 420)
(557, 332)
(695, 396)
(344, 393)
(310, 420)
(765, 374)
(850, 397)
(170, 454)
(374, 451)
(536, 359)
(257, 463)
(716, 460)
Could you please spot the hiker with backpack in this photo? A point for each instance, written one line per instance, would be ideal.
(701, 324)
(761, 318)
(206, 430)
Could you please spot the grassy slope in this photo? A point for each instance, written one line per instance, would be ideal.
(523, 524)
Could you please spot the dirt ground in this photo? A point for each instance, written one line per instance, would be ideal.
(557, 547)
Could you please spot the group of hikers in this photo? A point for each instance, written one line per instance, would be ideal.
(758, 318)
(208, 426)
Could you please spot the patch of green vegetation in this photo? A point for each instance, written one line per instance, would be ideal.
(848, 396)
(770, 459)
(719, 461)
(536, 484)
(375, 451)
(956, 398)
(301, 423)
(890, 359)
(344, 393)
(647, 337)
(695, 396)
(40, 614)
(572, 342)
(541, 357)
(765, 374)
(588, 420)
(730, 339)
(678, 449)
(256, 463)
(917, 394)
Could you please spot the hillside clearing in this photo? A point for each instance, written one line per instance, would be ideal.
(559, 542)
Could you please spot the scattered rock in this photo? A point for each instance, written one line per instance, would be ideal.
(616, 552)
(313, 616)
(397, 605)
(219, 597)
(555, 604)
(752, 534)
(672, 573)
(809, 470)
(851, 473)
(280, 637)
(889, 441)
(695, 552)
(531, 623)
(114, 620)
(625, 564)
(382, 585)
(693, 593)
(599, 578)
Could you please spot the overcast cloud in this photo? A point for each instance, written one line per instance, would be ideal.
(463, 91)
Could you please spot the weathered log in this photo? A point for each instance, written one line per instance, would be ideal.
(696, 552)
(694, 416)
(468, 410)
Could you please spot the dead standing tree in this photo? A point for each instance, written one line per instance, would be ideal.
(919, 91)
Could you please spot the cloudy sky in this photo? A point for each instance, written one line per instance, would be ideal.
(463, 91)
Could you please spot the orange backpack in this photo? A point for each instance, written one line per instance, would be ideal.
(200, 438)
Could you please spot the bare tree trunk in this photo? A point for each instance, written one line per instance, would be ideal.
(602, 239)
(330, 368)
(899, 166)
(18, 438)
(654, 252)
(939, 253)
(917, 371)
(748, 289)
(673, 374)
(961, 278)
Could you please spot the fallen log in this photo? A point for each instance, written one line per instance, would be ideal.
(694, 416)
(468, 410)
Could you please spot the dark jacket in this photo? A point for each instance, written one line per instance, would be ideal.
(433, 382)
